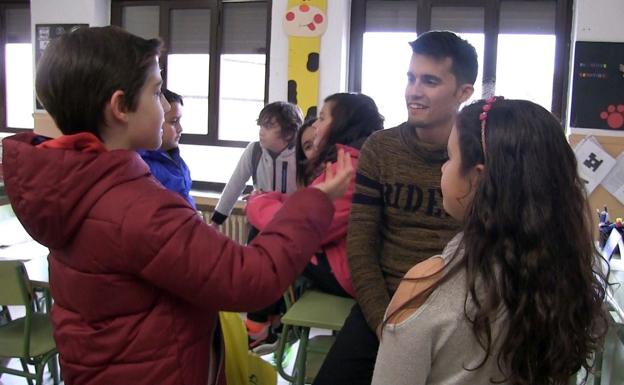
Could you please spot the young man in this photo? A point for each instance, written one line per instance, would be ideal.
(397, 219)
(137, 277)
(166, 164)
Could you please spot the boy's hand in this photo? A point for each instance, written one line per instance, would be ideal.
(335, 185)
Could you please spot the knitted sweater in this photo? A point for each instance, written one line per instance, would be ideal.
(397, 219)
(435, 345)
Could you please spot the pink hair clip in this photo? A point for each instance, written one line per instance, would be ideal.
(483, 117)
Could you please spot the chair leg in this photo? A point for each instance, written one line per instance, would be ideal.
(25, 368)
(300, 363)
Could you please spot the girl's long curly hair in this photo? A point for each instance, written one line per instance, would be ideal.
(528, 242)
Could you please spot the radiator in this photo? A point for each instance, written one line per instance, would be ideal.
(235, 226)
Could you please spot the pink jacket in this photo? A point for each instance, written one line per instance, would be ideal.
(261, 208)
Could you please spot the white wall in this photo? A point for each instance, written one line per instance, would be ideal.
(599, 20)
(333, 55)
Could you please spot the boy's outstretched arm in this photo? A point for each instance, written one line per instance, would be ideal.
(191, 260)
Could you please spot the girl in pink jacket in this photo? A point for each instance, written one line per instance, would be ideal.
(344, 122)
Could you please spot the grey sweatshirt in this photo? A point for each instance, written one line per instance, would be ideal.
(272, 174)
(435, 344)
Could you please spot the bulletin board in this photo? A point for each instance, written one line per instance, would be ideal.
(597, 116)
(44, 34)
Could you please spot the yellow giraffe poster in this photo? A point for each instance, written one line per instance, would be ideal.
(304, 23)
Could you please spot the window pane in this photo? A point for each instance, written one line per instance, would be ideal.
(518, 74)
(242, 73)
(188, 65)
(467, 22)
(141, 21)
(187, 75)
(19, 85)
(222, 159)
(388, 90)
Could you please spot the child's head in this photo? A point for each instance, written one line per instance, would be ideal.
(279, 122)
(304, 149)
(514, 154)
(512, 179)
(345, 118)
(172, 129)
(98, 77)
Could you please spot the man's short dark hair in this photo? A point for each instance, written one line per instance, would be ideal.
(79, 72)
(443, 44)
(287, 115)
(172, 97)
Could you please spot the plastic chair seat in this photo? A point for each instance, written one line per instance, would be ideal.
(12, 337)
(319, 310)
(313, 309)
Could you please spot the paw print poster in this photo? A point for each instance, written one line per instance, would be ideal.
(598, 86)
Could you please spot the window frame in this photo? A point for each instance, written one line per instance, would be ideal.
(4, 6)
(211, 138)
(563, 29)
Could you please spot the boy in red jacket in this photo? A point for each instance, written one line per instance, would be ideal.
(136, 276)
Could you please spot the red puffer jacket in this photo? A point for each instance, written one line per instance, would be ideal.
(137, 277)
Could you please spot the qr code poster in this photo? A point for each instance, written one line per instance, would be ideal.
(594, 163)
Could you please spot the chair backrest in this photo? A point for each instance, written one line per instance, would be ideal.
(14, 285)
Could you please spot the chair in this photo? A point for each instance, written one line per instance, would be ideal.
(28, 338)
(313, 309)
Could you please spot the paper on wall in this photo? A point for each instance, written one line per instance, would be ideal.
(594, 163)
(614, 181)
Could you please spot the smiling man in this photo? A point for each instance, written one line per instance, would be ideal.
(397, 219)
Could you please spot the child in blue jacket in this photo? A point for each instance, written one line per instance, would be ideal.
(166, 164)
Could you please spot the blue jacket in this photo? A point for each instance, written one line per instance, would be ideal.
(169, 168)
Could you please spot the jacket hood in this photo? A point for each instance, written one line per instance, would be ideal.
(53, 189)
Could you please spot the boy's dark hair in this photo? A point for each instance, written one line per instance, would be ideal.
(172, 97)
(443, 44)
(287, 115)
(80, 71)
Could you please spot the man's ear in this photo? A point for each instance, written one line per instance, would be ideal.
(465, 92)
(118, 106)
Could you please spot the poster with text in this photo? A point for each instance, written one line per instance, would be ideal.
(598, 86)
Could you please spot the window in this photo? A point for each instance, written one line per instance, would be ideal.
(16, 68)
(216, 58)
(505, 33)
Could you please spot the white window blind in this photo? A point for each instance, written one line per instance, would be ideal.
(190, 31)
(458, 19)
(391, 16)
(528, 17)
(141, 20)
(244, 28)
(18, 25)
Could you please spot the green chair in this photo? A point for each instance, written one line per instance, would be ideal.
(28, 338)
(313, 310)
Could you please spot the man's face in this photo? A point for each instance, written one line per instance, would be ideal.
(432, 94)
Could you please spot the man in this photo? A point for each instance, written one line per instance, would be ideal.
(397, 219)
